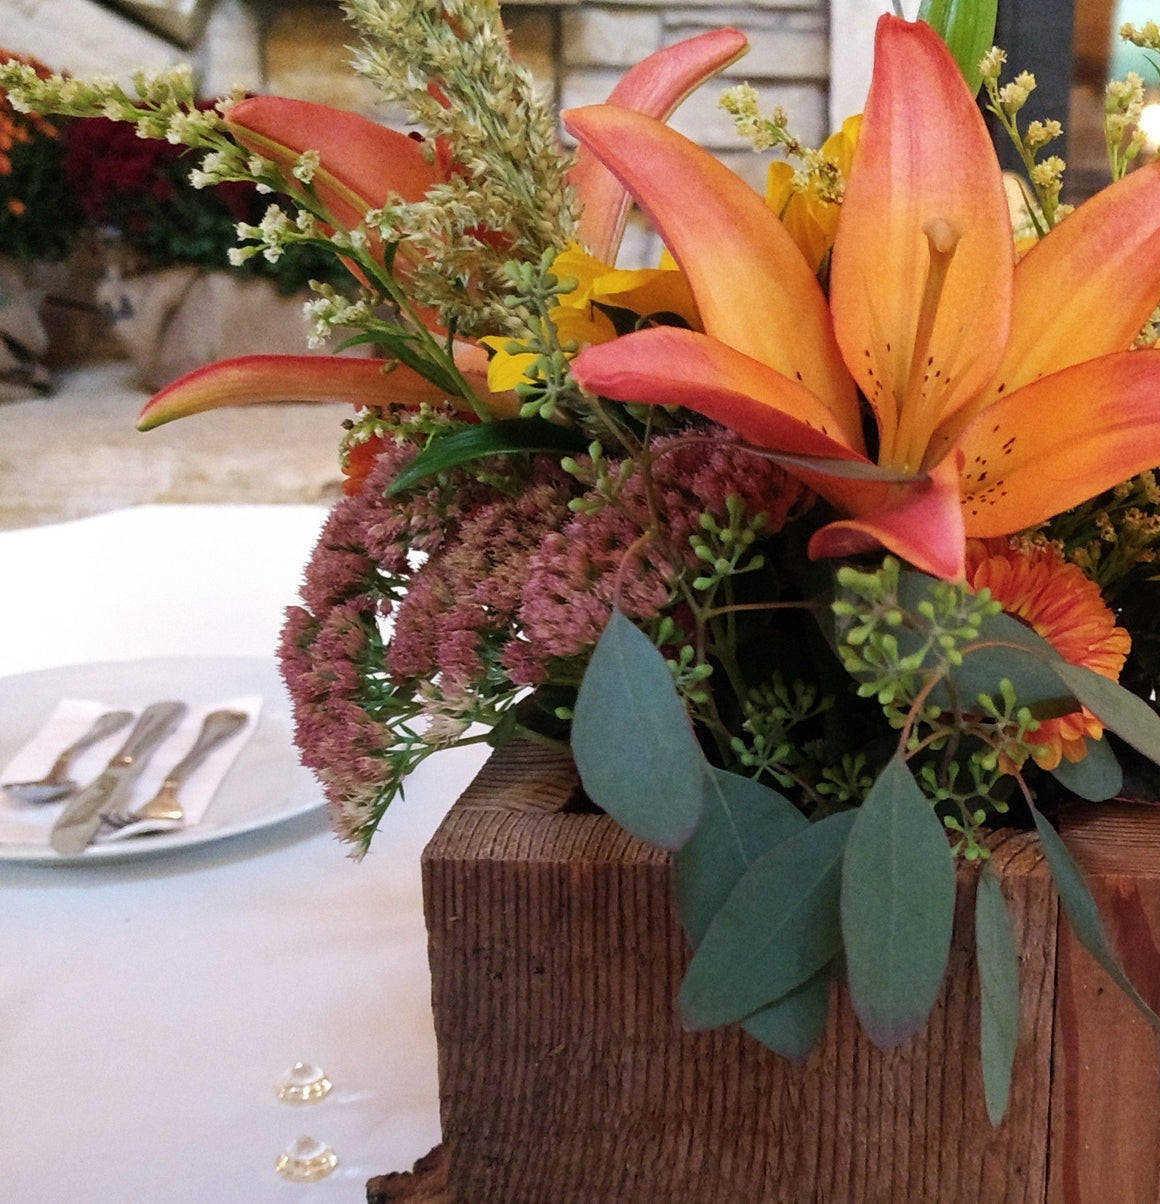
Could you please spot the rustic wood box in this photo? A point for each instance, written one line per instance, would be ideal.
(566, 1078)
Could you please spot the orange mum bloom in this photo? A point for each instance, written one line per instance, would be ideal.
(1058, 602)
(19, 127)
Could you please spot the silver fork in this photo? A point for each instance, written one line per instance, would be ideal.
(163, 812)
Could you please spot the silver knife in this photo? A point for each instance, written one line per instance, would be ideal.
(73, 831)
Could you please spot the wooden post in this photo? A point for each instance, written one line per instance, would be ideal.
(1105, 1114)
(566, 1078)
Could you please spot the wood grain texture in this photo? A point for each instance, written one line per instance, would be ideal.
(566, 1077)
(425, 1183)
(1105, 1119)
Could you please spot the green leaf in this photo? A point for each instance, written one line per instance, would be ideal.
(632, 741)
(1127, 714)
(1095, 777)
(776, 930)
(740, 820)
(1005, 648)
(1082, 912)
(998, 961)
(488, 439)
(967, 27)
(792, 1026)
(898, 904)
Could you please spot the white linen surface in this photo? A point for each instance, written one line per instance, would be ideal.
(148, 1008)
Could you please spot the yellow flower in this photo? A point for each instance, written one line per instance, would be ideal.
(1058, 602)
(581, 315)
(810, 214)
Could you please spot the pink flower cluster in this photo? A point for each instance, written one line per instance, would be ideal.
(488, 583)
(602, 559)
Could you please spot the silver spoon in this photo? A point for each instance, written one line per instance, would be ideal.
(56, 784)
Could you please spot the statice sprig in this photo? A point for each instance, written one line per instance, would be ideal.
(769, 131)
(1114, 537)
(1123, 134)
(1044, 173)
(1146, 37)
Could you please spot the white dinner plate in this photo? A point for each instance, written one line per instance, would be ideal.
(266, 785)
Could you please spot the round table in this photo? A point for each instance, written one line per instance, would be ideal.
(147, 1008)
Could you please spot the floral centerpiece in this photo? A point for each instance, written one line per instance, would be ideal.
(822, 545)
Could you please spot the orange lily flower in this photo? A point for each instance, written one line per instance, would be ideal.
(361, 165)
(1003, 393)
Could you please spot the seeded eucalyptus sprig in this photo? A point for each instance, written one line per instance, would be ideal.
(915, 645)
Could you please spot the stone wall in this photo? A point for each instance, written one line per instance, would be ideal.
(577, 49)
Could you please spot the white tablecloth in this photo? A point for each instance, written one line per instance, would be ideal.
(147, 1009)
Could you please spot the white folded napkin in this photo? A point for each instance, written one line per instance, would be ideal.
(30, 823)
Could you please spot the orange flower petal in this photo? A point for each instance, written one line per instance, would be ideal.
(654, 86)
(746, 274)
(1066, 608)
(921, 331)
(362, 163)
(920, 522)
(258, 379)
(671, 366)
(1061, 440)
(1086, 289)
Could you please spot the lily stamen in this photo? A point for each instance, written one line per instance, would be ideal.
(916, 409)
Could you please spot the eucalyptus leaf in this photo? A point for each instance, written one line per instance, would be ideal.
(1127, 714)
(1008, 649)
(998, 962)
(968, 28)
(488, 439)
(632, 741)
(898, 903)
(792, 1026)
(1095, 777)
(1082, 912)
(777, 929)
(740, 820)
(1005, 648)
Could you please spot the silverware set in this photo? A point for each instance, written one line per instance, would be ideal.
(100, 810)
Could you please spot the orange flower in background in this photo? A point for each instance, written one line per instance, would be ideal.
(19, 127)
(1056, 600)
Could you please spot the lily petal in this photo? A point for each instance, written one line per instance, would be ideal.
(1104, 260)
(1061, 440)
(743, 267)
(921, 273)
(667, 365)
(362, 163)
(258, 379)
(922, 523)
(655, 86)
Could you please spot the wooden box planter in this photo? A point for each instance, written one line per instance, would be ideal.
(566, 1078)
